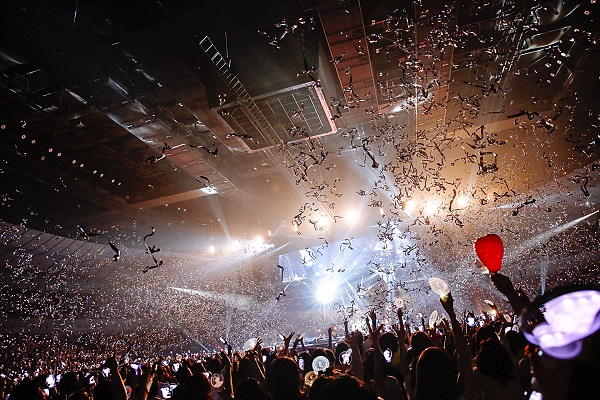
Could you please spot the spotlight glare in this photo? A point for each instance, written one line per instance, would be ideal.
(430, 208)
(462, 201)
(352, 216)
(322, 222)
(410, 205)
(258, 241)
(235, 245)
(212, 250)
(325, 292)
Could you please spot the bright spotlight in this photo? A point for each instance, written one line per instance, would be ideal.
(258, 241)
(235, 245)
(325, 292)
(352, 216)
(410, 205)
(462, 201)
(430, 208)
(212, 250)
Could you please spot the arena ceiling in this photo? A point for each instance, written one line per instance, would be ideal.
(240, 131)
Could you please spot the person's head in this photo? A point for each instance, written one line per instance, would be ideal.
(435, 377)
(388, 341)
(347, 387)
(330, 354)
(284, 379)
(392, 388)
(249, 389)
(494, 361)
(27, 390)
(340, 348)
(103, 390)
(369, 363)
(183, 374)
(198, 387)
(318, 387)
(419, 342)
(73, 386)
(213, 364)
(318, 352)
(306, 361)
(517, 343)
(483, 333)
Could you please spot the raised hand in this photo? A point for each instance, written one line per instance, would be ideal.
(350, 339)
(286, 343)
(225, 359)
(111, 363)
(448, 304)
(400, 314)
(287, 339)
(517, 300)
(374, 334)
(373, 317)
(258, 346)
(503, 284)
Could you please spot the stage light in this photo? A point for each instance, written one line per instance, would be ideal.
(352, 216)
(325, 292)
(410, 205)
(258, 241)
(430, 208)
(235, 245)
(462, 201)
(212, 250)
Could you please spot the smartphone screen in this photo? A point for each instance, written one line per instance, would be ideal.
(301, 363)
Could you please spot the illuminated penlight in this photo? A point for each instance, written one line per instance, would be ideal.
(430, 208)
(295, 227)
(325, 292)
(462, 201)
(212, 250)
(410, 205)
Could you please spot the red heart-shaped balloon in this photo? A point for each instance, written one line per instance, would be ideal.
(490, 251)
